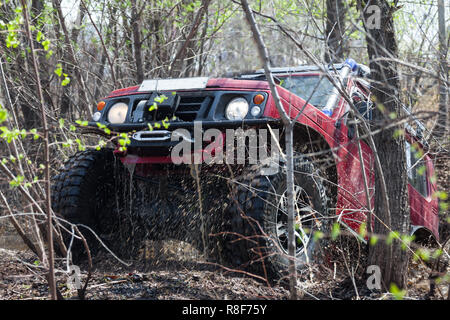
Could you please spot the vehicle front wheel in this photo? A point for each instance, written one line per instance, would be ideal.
(257, 235)
(93, 190)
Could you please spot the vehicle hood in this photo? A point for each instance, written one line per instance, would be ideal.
(213, 83)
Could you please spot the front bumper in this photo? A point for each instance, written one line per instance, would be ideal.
(222, 124)
(159, 142)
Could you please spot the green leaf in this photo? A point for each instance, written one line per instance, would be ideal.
(49, 54)
(423, 254)
(58, 70)
(165, 123)
(81, 147)
(318, 235)
(68, 143)
(3, 115)
(39, 36)
(396, 292)
(65, 82)
(433, 178)
(82, 123)
(373, 240)
(421, 170)
(335, 231)
(363, 230)
(46, 44)
(381, 107)
(399, 133)
(161, 98)
(11, 40)
(16, 182)
(391, 236)
(442, 195)
(406, 241)
(437, 253)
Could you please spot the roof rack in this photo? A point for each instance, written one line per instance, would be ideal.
(361, 71)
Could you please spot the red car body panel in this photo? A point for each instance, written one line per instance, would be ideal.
(351, 198)
(424, 210)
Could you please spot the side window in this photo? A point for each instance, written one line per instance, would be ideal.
(417, 174)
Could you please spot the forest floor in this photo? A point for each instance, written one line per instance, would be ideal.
(188, 277)
(174, 270)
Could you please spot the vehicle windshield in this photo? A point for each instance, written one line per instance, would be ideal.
(305, 86)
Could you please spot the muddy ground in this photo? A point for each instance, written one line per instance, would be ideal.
(181, 273)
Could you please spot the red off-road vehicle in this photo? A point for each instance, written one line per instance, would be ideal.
(235, 213)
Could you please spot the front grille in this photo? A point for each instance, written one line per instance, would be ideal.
(193, 107)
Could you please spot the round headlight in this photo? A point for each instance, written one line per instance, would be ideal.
(118, 113)
(96, 116)
(237, 109)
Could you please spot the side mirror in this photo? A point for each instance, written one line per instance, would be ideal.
(350, 124)
(365, 109)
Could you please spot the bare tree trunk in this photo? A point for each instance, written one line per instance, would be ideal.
(392, 260)
(111, 66)
(127, 31)
(175, 66)
(71, 53)
(334, 31)
(136, 21)
(442, 122)
(66, 99)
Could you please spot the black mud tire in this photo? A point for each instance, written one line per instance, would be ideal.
(251, 243)
(90, 190)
